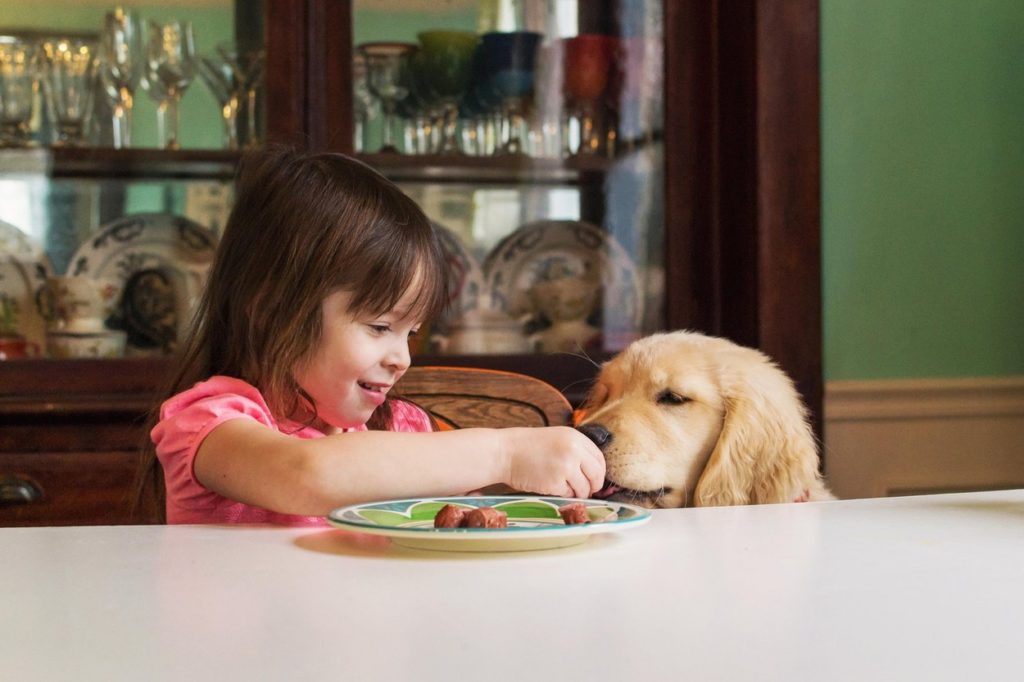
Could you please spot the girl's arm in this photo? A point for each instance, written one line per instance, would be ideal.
(250, 463)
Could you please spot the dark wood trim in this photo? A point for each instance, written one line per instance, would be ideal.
(330, 85)
(789, 192)
(692, 248)
(769, 185)
(286, 37)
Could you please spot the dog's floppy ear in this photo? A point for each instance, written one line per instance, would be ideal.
(766, 451)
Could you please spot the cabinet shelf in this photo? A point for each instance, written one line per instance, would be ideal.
(213, 164)
(131, 164)
(495, 170)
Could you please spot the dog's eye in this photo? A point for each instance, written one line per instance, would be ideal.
(667, 397)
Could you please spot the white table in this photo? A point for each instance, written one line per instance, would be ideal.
(918, 588)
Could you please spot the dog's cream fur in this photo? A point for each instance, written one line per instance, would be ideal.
(694, 420)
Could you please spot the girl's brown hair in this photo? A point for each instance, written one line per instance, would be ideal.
(302, 227)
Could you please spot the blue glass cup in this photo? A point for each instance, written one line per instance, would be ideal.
(509, 60)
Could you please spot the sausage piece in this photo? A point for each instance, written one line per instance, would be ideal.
(574, 513)
(486, 517)
(450, 516)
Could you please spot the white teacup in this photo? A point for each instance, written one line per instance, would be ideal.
(105, 344)
(79, 305)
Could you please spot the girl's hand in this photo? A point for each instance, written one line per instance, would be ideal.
(555, 460)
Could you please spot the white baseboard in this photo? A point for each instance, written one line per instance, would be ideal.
(896, 437)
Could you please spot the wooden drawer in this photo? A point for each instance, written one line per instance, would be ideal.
(72, 488)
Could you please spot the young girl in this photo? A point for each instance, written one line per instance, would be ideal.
(281, 411)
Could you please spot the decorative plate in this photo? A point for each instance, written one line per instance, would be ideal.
(466, 277)
(24, 268)
(162, 261)
(556, 249)
(533, 522)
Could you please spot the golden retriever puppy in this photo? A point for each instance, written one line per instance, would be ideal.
(685, 419)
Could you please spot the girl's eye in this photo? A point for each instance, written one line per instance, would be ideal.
(380, 328)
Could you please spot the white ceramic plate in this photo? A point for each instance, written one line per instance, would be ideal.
(533, 522)
(553, 248)
(177, 248)
(24, 268)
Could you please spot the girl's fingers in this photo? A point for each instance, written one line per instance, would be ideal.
(594, 473)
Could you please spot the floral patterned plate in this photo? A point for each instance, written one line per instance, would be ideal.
(533, 522)
(162, 262)
(564, 249)
(24, 268)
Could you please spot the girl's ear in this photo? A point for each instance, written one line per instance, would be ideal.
(766, 452)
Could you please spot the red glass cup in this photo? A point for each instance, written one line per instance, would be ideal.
(587, 62)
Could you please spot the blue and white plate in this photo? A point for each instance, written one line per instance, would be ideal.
(167, 256)
(24, 268)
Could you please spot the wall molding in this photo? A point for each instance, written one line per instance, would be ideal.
(907, 436)
(924, 398)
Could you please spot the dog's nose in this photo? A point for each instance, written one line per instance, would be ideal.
(596, 433)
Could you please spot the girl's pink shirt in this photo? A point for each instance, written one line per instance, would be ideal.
(186, 419)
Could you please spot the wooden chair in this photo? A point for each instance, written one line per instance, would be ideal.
(462, 397)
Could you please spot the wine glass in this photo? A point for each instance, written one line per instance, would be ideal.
(587, 63)
(509, 60)
(120, 68)
(170, 69)
(387, 64)
(17, 90)
(247, 69)
(363, 101)
(420, 109)
(219, 78)
(447, 65)
(69, 70)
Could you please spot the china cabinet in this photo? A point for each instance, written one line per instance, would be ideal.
(730, 174)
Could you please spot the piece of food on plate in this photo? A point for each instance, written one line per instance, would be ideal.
(574, 513)
(450, 516)
(486, 517)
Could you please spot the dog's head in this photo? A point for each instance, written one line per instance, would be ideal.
(685, 419)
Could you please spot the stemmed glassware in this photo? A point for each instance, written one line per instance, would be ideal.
(447, 66)
(386, 67)
(220, 80)
(363, 101)
(509, 60)
(588, 59)
(247, 68)
(170, 69)
(120, 66)
(68, 73)
(17, 90)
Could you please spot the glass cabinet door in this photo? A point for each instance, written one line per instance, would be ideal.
(531, 135)
(121, 127)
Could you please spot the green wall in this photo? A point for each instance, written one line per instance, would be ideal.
(923, 187)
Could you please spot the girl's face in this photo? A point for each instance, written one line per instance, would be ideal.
(359, 358)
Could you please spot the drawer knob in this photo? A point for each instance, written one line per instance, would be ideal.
(15, 490)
